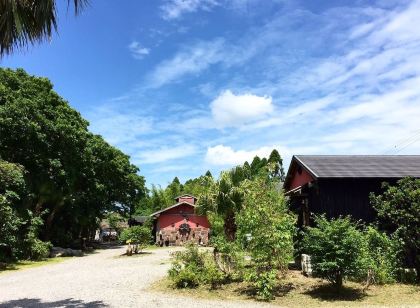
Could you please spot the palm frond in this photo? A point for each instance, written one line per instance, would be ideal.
(26, 22)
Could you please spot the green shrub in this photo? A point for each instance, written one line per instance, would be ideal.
(398, 210)
(212, 275)
(264, 281)
(184, 277)
(383, 255)
(140, 236)
(191, 268)
(39, 250)
(337, 249)
(187, 267)
(33, 248)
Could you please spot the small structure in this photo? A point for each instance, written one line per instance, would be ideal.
(179, 223)
(137, 220)
(341, 184)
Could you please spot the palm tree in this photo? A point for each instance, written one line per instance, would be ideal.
(24, 22)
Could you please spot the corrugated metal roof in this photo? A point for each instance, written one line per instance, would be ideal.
(361, 166)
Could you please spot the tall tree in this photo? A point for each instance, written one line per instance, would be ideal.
(24, 22)
(276, 159)
(72, 174)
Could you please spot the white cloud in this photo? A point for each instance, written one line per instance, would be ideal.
(137, 50)
(191, 60)
(164, 154)
(229, 109)
(174, 9)
(226, 156)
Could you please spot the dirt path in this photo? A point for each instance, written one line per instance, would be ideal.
(103, 279)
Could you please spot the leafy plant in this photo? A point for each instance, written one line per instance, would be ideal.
(139, 236)
(337, 249)
(398, 209)
(266, 228)
(383, 255)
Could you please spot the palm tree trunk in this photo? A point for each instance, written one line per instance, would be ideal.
(230, 226)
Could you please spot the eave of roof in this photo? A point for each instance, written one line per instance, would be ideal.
(360, 166)
(186, 195)
(171, 207)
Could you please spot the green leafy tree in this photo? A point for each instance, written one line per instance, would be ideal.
(398, 209)
(12, 185)
(225, 199)
(277, 163)
(337, 249)
(24, 22)
(266, 228)
(72, 175)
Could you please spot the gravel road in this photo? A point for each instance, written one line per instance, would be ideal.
(102, 279)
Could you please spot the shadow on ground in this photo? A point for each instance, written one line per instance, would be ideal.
(329, 293)
(36, 302)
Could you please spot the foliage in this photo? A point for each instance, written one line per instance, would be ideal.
(33, 248)
(70, 174)
(192, 267)
(27, 22)
(187, 267)
(384, 254)
(228, 256)
(137, 235)
(398, 209)
(11, 187)
(224, 198)
(115, 220)
(337, 249)
(266, 228)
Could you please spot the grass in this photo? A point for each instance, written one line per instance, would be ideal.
(20, 265)
(297, 290)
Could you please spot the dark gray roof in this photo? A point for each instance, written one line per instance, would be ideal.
(361, 166)
(140, 219)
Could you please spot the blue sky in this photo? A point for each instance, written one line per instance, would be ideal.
(185, 86)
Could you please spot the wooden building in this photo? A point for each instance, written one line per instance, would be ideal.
(341, 184)
(179, 223)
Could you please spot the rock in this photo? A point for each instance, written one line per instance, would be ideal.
(65, 252)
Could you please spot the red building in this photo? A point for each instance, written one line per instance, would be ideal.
(179, 223)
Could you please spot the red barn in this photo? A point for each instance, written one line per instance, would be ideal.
(179, 223)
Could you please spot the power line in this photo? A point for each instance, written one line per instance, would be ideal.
(403, 143)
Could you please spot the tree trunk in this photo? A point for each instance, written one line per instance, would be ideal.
(230, 227)
(338, 281)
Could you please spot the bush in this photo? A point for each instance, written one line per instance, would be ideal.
(337, 249)
(140, 236)
(39, 250)
(383, 255)
(187, 267)
(398, 210)
(191, 268)
(33, 247)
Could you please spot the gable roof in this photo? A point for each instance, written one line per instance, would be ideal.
(171, 207)
(357, 166)
(186, 195)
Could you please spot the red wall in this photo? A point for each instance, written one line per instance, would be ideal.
(300, 179)
(186, 199)
(174, 216)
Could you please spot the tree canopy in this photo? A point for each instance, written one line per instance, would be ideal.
(72, 176)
